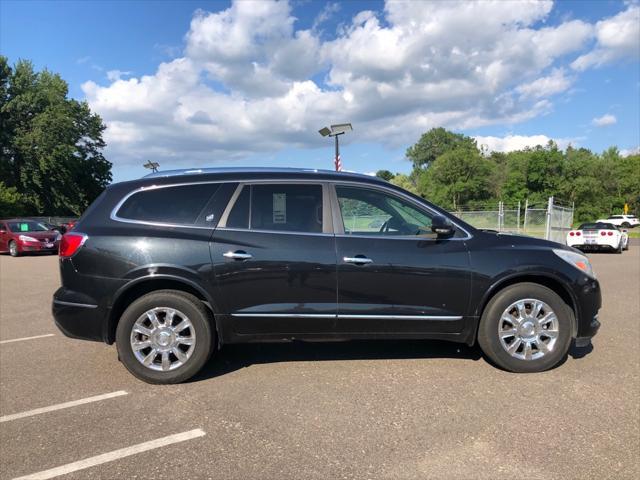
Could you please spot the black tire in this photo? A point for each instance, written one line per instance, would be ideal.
(202, 323)
(13, 249)
(489, 341)
(619, 249)
(626, 224)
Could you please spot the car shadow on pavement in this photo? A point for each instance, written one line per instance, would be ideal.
(238, 356)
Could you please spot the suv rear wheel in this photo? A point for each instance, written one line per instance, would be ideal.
(165, 337)
(525, 328)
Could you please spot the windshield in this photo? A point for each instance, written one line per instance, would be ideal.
(597, 226)
(27, 226)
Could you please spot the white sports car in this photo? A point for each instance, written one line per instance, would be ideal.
(599, 236)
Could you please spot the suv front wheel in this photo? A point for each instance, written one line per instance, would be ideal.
(525, 328)
(165, 337)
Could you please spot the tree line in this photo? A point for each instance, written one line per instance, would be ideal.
(450, 170)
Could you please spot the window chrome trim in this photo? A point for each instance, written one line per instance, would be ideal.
(285, 232)
(114, 212)
(392, 192)
(341, 316)
(331, 184)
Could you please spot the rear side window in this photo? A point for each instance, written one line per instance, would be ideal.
(179, 204)
(278, 207)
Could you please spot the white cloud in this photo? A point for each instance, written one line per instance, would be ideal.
(512, 143)
(625, 152)
(248, 80)
(113, 75)
(617, 37)
(604, 120)
(552, 84)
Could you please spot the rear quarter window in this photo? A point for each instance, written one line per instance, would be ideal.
(179, 204)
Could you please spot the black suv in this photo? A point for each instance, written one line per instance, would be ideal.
(176, 264)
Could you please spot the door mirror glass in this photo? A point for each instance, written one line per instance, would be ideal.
(441, 226)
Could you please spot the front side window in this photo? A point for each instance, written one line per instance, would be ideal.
(278, 207)
(371, 212)
(177, 204)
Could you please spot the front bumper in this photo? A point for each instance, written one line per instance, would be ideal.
(77, 316)
(25, 247)
(589, 301)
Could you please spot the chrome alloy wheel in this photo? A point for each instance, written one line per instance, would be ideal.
(163, 339)
(528, 329)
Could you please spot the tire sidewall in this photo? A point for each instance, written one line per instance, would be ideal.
(14, 252)
(192, 308)
(488, 329)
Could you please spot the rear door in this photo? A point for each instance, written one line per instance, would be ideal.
(274, 259)
(394, 275)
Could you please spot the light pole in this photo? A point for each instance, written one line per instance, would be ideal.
(335, 131)
(153, 166)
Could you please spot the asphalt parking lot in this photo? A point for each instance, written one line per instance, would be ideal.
(405, 410)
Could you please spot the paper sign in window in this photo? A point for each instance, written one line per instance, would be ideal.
(279, 208)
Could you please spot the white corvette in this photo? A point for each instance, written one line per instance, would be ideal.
(599, 236)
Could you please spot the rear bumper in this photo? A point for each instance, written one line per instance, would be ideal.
(77, 317)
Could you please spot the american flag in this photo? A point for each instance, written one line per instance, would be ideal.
(338, 164)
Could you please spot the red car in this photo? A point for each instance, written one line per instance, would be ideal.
(19, 236)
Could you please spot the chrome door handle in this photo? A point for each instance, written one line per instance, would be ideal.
(238, 255)
(358, 260)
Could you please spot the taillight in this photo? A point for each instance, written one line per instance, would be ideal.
(571, 234)
(610, 234)
(71, 243)
(578, 234)
(603, 233)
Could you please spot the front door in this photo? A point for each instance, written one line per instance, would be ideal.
(394, 275)
(274, 259)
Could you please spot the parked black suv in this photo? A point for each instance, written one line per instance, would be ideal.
(174, 265)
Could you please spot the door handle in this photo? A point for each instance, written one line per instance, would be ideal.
(358, 260)
(238, 255)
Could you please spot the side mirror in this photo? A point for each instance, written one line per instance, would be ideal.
(442, 227)
(624, 230)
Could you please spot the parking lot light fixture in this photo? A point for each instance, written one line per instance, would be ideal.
(335, 131)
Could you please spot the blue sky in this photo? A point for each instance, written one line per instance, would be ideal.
(217, 83)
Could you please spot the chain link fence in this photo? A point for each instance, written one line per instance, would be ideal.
(552, 221)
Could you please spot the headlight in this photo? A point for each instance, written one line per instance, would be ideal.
(26, 238)
(581, 262)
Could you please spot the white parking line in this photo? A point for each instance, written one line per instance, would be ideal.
(60, 406)
(114, 455)
(27, 338)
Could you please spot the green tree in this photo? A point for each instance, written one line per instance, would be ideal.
(435, 143)
(50, 146)
(457, 178)
(384, 174)
(407, 182)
